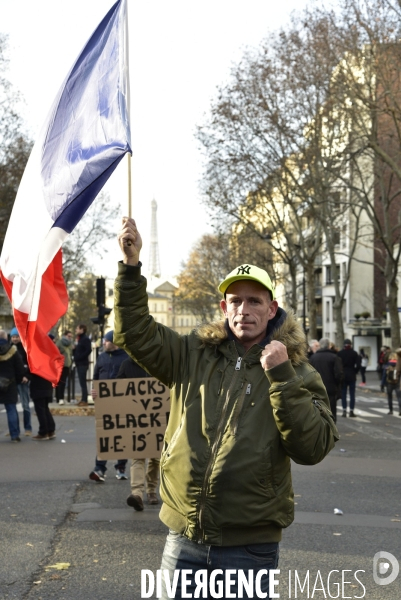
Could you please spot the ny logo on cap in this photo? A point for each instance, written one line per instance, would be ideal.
(244, 270)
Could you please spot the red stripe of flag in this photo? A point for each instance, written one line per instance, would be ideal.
(44, 357)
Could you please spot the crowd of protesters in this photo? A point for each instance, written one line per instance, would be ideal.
(389, 372)
(339, 370)
(18, 383)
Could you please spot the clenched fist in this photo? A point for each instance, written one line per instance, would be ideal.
(130, 242)
(274, 354)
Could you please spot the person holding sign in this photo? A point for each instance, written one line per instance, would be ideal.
(140, 476)
(244, 401)
(107, 367)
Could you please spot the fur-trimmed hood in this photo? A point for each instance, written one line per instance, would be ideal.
(285, 329)
(6, 351)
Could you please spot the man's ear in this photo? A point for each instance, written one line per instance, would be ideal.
(273, 308)
(223, 306)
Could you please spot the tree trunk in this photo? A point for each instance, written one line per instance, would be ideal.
(394, 315)
(309, 274)
(338, 316)
(294, 295)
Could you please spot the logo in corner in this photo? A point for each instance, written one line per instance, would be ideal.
(382, 561)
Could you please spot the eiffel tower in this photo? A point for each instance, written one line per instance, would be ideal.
(154, 261)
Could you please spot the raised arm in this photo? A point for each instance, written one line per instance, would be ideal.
(157, 348)
(130, 242)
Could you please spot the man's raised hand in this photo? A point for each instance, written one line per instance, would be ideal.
(273, 354)
(130, 241)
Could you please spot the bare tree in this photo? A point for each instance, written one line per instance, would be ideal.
(14, 145)
(272, 150)
(81, 252)
(209, 262)
(367, 86)
(14, 152)
(86, 242)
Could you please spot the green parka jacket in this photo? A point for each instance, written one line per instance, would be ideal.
(233, 427)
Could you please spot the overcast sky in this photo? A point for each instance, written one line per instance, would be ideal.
(180, 51)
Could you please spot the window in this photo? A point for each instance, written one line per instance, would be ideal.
(329, 278)
(344, 236)
(327, 311)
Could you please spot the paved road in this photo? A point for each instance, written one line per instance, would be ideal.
(52, 513)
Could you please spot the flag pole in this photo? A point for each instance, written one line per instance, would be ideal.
(129, 187)
(128, 108)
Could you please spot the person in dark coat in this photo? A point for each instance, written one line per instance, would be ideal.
(351, 365)
(313, 346)
(81, 353)
(11, 374)
(330, 368)
(383, 359)
(109, 361)
(364, 364)
(392, 379)
(107, 366)
(41, 393)
(23, 387)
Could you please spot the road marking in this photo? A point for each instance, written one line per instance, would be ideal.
(368, 400)
(383, 411)
(364, 413)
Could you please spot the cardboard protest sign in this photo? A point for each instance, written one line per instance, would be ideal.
(131, 417)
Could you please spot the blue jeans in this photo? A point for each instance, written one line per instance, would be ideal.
(13, 420)
(351, 386)
(23, 392)
(181, 553)
(101, 465)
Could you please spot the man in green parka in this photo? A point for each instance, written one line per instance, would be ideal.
(244, 401)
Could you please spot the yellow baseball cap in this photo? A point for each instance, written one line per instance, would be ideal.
(247, 272)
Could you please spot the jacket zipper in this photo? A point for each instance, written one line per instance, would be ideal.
(215, 446)
(238, 408)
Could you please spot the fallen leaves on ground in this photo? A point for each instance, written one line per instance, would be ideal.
(59, 566)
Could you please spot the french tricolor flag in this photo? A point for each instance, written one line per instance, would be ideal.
(84, 138)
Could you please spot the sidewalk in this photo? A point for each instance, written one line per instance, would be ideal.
(72, 408)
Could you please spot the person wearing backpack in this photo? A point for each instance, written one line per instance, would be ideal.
(393, 373)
